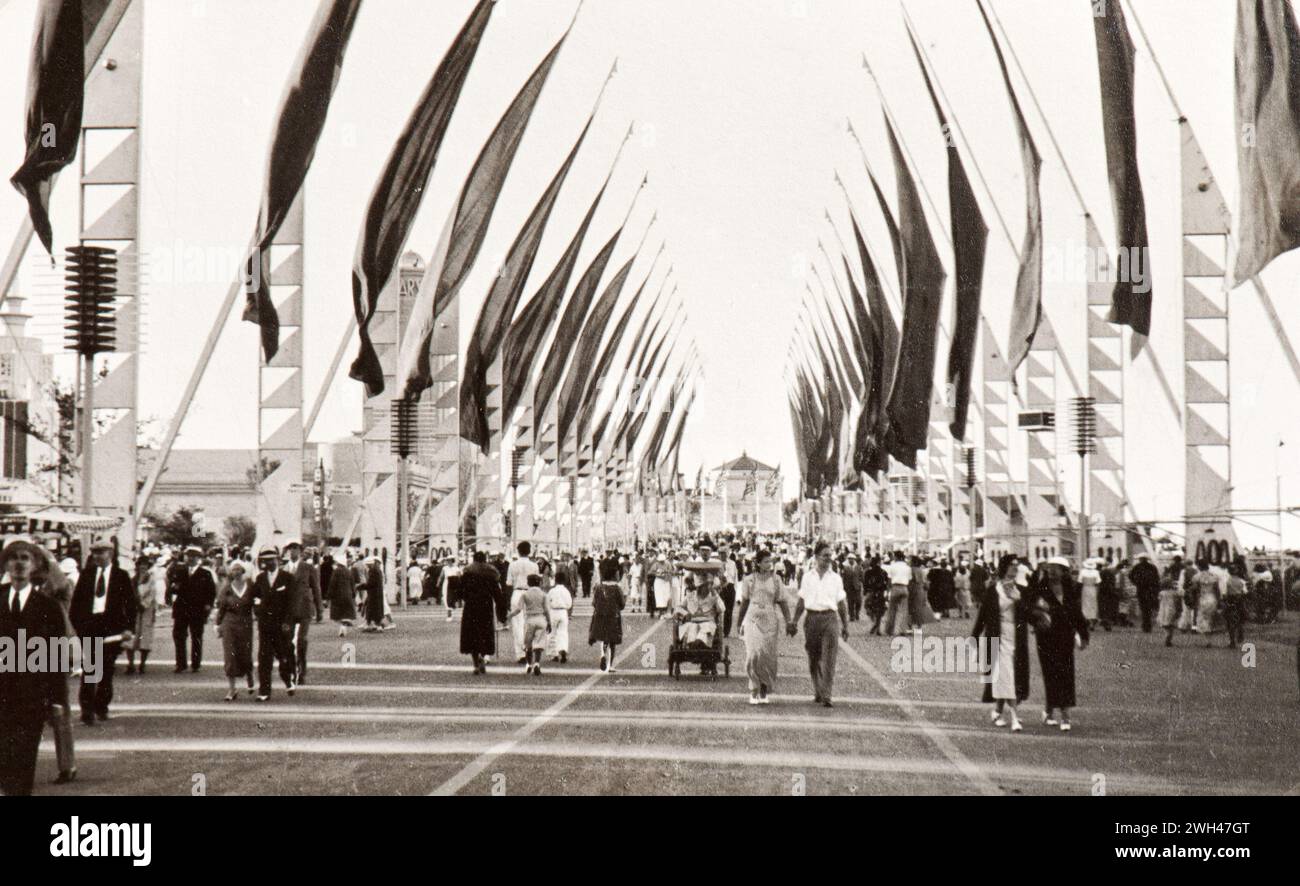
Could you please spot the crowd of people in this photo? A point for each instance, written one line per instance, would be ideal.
(264, 605)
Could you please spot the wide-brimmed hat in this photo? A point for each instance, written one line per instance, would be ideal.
(292, 543)
(101, 544)
(268, 551)
(1062, 562)
(21, 544)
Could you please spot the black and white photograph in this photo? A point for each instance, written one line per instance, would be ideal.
(631, 398)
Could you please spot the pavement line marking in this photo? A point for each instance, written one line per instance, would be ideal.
(768, 720)
(453, 785)
(669, 754)
(963, 763)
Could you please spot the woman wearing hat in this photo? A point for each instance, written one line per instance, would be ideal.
(1003, 624)
(235, 627)
(341, 593)
(1058, 619)
(147, 581)
(1090, 585)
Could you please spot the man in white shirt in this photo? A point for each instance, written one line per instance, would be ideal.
(821, 595)
(517, 577)
(559, 601)
(898, 619)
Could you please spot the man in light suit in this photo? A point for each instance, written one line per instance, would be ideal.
(103, 606)
(304, 603)
(272, 594)
(26, 697)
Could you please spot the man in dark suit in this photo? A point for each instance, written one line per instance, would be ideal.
(586, 570)
(1146, 579)
(273, 591)
(304, 603)
(103, 607)
(25, 697)
(191, 592)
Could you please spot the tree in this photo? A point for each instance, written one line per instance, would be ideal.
(178, 528)
(240, 530)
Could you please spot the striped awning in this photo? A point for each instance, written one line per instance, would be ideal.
(52, 520)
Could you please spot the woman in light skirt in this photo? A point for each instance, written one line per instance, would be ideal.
(761, 595)
(1003, 624)
(150, 585)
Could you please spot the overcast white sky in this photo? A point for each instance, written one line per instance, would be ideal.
(740, 106)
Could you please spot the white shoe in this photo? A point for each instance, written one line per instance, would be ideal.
(763, 699)
(994, 715)
(1048, 720)
(1065, 727)
(753, 699)
(999, 721)
(611, 670)
(1016, 727)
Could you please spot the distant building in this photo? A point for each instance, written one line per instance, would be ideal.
(742, 494)
(29, 412)
(220, 483)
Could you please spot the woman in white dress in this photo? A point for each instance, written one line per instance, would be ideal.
(1002, 624)
(1090, 583)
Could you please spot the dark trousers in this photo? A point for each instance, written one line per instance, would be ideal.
(1234, 616)
(821, 632)
(96, 697)
(275, 643)
(188, 626)
(728, 595)
(855, 604)
(1148, 601)
(586, 585)
(20, 739)
(302, 626)
(649, 594)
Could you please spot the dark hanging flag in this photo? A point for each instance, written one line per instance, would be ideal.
(640, 384)
(895, 237)
(56, 82)
(573, 392)
(299, 123)
(1027, 306)
(575, 313)
(599, 373)
(909, 398)
(1131, 298)
(969, 239)
(870, 455)
(499, 308)
(473, 213)
(524, 340)
(398, 192)
(1268, 128)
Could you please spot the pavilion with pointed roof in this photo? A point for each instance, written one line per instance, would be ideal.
(742, 494)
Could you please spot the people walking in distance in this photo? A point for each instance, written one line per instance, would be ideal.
(1146, 580)
(1002, 623)
(517, 581)
(559, 603)
(235, 627)
(1234, 605)
(530, 605)
(607, 618)
(304, 603)
(150, 587)
(899, 620)
(875, 594)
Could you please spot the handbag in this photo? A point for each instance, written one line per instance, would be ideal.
(1040, 616)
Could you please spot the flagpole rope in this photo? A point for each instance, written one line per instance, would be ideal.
(1033, 96)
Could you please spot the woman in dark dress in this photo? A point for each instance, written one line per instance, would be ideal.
(1059, 597)
(235, 627)
(485, 605)
(342, 596)
(875, 593)
(606, 616)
